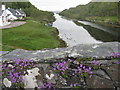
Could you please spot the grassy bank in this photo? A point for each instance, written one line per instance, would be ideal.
(30, 36)
(108, 20)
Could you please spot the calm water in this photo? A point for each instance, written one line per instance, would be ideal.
(91, 33)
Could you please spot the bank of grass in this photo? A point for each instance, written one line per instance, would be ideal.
(30, 36)
(112, 20)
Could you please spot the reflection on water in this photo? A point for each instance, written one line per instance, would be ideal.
(108, 29)
(102, 33)
(74, 34)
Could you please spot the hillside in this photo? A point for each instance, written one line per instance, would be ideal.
(32, 12)
(104, 11)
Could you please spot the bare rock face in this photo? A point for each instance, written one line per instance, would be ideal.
(98, 82)
(114, 72)
(102, 74)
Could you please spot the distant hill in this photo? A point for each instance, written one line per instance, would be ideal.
(32, 11)
(101, 9)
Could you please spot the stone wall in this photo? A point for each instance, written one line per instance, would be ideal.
(107, 76)
(84, 50)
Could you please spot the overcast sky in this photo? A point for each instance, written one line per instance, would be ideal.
(57, 5)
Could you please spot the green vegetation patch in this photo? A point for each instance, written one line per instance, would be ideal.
(30, 36)
(102, 12)
(107, 19)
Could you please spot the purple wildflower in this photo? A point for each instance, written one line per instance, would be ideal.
(90, 76)
(17, 61)
(117, 62)
(84, 67)
(61, 66)
(16, 74)
(115, 55)
(83, 70)
(96, 62)
(18, 70)
(91, 72)
(73, 85)
(81, 65)
(46, 85)
(69, 60)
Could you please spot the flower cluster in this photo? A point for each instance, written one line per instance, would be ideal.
(96, 62)
(23, 64)
(17, 70)
(117, 62)
(69, 60)
(16, 77)
(115, 55)
(83, 70)
(46, 85)
(61, 66)
(73, 85)
(3, 69)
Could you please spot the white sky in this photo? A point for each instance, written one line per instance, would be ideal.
(57, 5)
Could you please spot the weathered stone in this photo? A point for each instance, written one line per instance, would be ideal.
(102, 50)
(62, 80)
(102, 74)
(98, 82)
(76, 62)
(83, 50)
(44, 66)
(45, 69)
(3, 52)
(51, 77)
(114, 73)
(118, 88)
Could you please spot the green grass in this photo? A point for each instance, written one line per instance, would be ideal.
(106, 19)
(30, 36)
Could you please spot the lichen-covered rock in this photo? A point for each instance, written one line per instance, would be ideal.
(98, 82)
(102, 74)
(7, 83)
(30, 80)
(114, 72)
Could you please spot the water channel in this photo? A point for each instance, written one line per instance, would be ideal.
(90, 33)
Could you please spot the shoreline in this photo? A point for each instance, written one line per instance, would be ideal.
(62, 42)
(101, 23)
